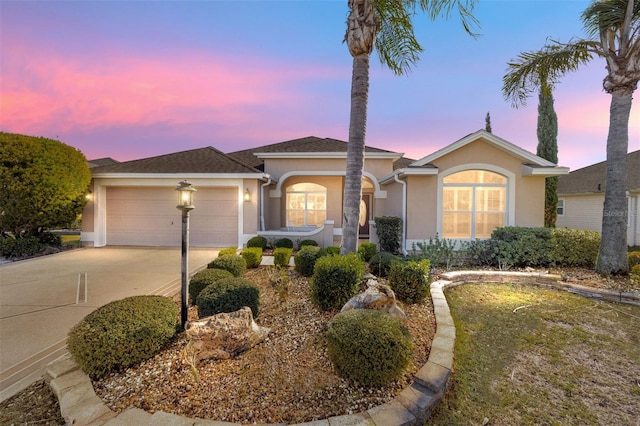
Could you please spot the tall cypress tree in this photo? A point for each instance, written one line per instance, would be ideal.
(548, 149)
(487, 123)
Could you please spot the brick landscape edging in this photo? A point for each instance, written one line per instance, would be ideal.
(79, 405)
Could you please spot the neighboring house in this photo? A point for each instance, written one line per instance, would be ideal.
(295, 189)
(581, 198)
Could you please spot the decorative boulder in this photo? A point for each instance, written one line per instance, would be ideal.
(225, 335)
(376, 296)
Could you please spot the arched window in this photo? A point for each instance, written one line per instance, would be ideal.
(306, 204)
(474, 203)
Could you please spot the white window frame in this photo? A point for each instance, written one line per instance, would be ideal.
(562, 206)
(306, 202)
(510, 205)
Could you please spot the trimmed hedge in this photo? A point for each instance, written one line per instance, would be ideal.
(304, 243)
(20, 247)
(203, 279)
(335, 280)
(283, 243)
(228, 295)
(368, 346)
(574, 247)
(380, 263)
(258, 241)
(282, 256)
(228, 251)
(232, 262)
(123, 333)
(305, 260)
(252, 256)
(410, 281)
(367, 250)
(389, 231)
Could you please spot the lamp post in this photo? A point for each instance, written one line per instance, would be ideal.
(185, 204)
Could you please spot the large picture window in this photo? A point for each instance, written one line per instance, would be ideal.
(306, 204)
(474, 203)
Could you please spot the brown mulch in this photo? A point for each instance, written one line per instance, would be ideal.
(286, 379)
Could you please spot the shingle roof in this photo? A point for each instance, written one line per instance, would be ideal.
(202, 160)
(306, 144)
(101, 162)
(593, 178)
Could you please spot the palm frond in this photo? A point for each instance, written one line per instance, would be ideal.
(396, 43)
(610, 14)
(542, 69)
(437, 8)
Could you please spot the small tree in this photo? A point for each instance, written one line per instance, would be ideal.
(487, 123)
(43, 184)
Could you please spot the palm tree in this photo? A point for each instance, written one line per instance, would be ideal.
(613, 33)
(385, 25)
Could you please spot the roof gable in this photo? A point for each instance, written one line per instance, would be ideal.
(202, 160)
(525, 156)
(592, 179)
(306, 145)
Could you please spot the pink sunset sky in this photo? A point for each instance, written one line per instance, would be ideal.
(134, 79)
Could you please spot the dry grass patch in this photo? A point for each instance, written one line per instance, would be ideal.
(526, 355)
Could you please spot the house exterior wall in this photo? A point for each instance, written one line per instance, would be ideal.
(422, 209)
(582, 212)
(278, 167)
(250, 209)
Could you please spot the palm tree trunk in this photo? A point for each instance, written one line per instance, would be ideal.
(355, 153)
(612, 258)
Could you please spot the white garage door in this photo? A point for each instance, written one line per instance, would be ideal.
(149, 217)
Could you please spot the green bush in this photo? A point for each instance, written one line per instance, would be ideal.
(410, 281)
(335, 280)
(634, 258)
(367, 250)
(329, 251)
(303, 243)
(389, 231)
(480, 253)
(228, 251)
(123, 333)
(20, 247)
(574, 247)
(440, 251)
(228, 295)
(203, 279)
(520, 246)
(258, 241)
(306, 259)
(368, 346)
(233, 263)
(283, 243)
(380, 263)
(635, 270)
(252, 256)
(282, 256)
(49, 239)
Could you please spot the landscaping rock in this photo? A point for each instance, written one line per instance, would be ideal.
(377, 296)
(225, 335)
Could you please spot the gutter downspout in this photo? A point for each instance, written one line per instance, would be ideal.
(262, 187)
(404, 211)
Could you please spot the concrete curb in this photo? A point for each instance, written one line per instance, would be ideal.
(79, 405)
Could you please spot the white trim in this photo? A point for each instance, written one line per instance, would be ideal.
(492, 139)
(510, 218)
(180, 176)
(411, 171)
(528, 170)
(564, 207)
(277, 193)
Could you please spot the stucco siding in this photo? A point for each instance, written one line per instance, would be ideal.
(529, 201)
(422, 208)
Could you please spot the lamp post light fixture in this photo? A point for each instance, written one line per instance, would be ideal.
(185, 204)
(247, 196)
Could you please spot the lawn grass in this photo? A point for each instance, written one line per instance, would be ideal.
(526, 355)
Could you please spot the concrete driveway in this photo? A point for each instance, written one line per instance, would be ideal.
(40, 299)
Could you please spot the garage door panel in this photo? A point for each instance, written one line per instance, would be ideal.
(148, 216)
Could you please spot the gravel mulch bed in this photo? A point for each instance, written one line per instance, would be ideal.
(288, 378)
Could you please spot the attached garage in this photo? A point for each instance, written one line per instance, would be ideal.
(147, 216)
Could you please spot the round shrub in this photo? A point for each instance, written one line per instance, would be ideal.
(574, 247)
(634, 258)
(635, 270)
(368, 346)
(335, 280)
(410, 281)
(304, 243)
(123, 333)
(380, 263)
(329, 251)
(282, 256)
(252, 256)
(367, 251)
(283, 243)
(203, 279)
(228, 295)
(233, 263)
(306, 259)
(258, 241)
(228, 251)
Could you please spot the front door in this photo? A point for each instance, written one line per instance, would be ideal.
(365, 216)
